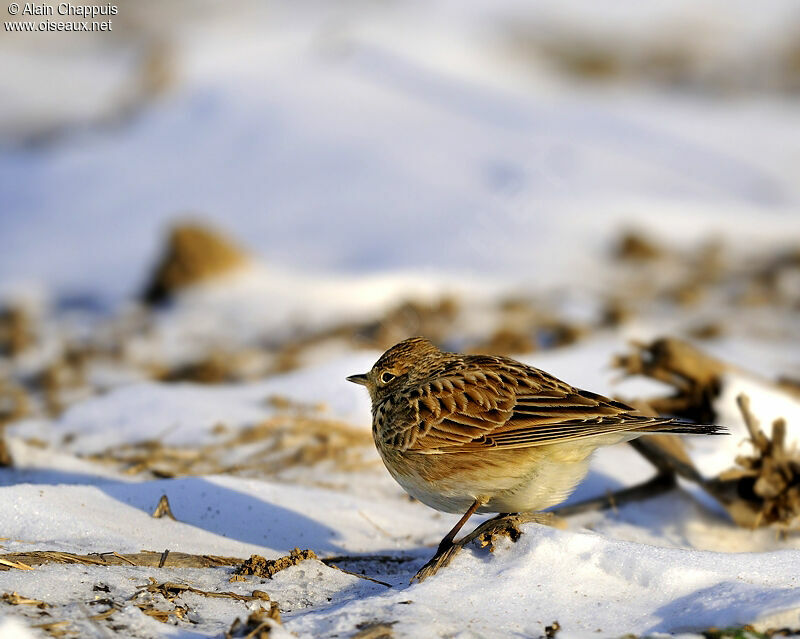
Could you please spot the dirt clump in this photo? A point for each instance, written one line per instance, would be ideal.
(16, 331)
(262, 567)
(634, 246)
(193, 254)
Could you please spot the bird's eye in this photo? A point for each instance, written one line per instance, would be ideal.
(386, 378)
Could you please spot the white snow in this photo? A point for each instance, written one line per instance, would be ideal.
(365, 154)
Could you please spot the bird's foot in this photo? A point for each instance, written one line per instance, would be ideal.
(503, 524)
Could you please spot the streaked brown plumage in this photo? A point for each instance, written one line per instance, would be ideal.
(476, 433)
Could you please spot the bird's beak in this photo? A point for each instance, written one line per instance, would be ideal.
(358, 379)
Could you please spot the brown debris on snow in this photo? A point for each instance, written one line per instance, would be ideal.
(258, 624)
(55, 628)
(170, 590)
(694, 375)
(163, 509)
(194, 253)
(261, 567)
(407, 319)
(636, 247)
(267, 449)
(14, 404)
(374, 630)
(15, 599)
(764, 488)
(25, 560)
(16, 332)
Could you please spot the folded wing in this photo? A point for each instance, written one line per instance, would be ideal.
(503, 404)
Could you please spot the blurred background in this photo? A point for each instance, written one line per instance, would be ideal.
(215, 212)
(510, 139)
(503, 177)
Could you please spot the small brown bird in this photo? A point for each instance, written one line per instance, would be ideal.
(477, 433)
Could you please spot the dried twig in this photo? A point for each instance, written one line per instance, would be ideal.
(144, 558)
(163, 509)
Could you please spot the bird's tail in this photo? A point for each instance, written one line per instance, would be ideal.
(680, 426)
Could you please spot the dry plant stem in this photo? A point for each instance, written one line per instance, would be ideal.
(163, 509)
(171, 589)
(145, 558)
(665, 462)
(168, 559)
(763, 488)
(502, 524)
(753, 425)
(661, 483)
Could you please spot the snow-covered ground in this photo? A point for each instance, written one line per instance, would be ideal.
(367, 154)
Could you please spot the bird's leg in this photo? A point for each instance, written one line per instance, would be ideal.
(504, 523)
(447, 548)
(448, 539)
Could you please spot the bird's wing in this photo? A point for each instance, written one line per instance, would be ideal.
(507, 406)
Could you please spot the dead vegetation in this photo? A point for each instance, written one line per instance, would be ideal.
(408, 318)
(374, 630)
(695, 376)
(261, 567)
(763, 488)
(163, 601)
(170, 590)
(14, 404)
(709, 275)
(668, 57)
(487, 534)
(257, 625)
(748, 631)
(16, 331)
(269, 448)
(706, 283)
(28, 560)
(163, 509)
(193, 254)
(15, 599)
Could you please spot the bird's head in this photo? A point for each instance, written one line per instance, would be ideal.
(405, 361)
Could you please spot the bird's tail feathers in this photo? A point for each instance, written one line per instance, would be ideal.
(680, 426)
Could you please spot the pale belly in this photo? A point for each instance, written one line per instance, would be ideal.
(519, 480)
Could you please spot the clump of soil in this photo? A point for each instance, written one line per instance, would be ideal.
(193, 254)
(261, 567)
(634, 246)
(16, 331)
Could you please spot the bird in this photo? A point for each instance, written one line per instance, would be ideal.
(470, 434)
